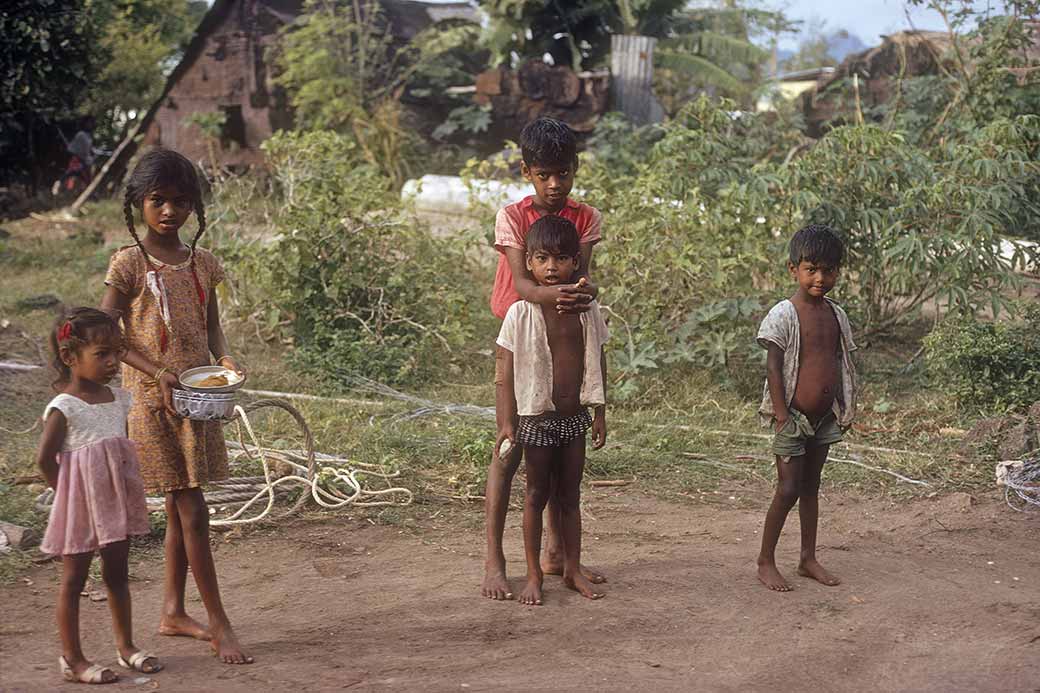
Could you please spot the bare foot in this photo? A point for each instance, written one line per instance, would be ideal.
(811, 568)
(771, 577)
(554, 566)
(495, 585)
(582, 585)
(184, 626)
(532, 593)
(227, 648)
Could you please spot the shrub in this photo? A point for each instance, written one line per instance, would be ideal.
(368, 290)
(988, 366)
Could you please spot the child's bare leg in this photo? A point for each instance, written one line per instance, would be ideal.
(539, 465)
(809, 515)
(175, 620)
(496, 505)
(194, 519)
(568, 490)
(74, 571)
(116, 573)
(788, 487)
(553, 558)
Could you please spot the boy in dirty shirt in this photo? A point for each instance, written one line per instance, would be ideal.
(809, 395)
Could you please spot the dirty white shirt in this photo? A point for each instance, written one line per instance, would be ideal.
(524, 334)
(780, 327)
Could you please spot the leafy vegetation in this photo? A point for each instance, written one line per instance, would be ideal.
(367, 289)
(988, 366)
(706, 46)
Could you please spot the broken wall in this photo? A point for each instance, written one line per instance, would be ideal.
(228, 75)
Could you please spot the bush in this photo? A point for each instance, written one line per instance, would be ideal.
(988, 366)
(367, 289)
(698, 212)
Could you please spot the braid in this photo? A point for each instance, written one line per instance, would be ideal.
(128, 214)
(200, 213)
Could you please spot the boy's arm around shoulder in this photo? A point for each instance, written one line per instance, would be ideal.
(54, 431)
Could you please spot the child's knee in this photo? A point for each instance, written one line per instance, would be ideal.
(115, 572)
(74, 577)
(537, 496)
(789, 491)
(568, 500)
(810, 488)
(193, 513)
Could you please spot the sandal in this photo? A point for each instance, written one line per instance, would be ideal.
(95, 673)
(138, 662)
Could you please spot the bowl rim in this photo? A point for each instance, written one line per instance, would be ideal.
(219, 389)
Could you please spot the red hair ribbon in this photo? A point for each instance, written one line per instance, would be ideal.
(65, 331)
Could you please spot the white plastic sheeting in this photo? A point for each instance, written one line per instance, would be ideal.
(450, 195)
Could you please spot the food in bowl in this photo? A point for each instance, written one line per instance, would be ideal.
(213, 381)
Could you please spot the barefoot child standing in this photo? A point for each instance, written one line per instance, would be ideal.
(810, 394)
(165, 292)
(550, 158)
(553, 368)
(98, 494)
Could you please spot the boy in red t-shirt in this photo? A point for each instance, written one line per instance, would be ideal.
(549, 151)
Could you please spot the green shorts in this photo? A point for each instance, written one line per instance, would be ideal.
(798, 434)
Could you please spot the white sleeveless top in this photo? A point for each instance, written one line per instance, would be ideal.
(89, 423)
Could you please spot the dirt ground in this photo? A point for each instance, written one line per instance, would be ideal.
(939, 595)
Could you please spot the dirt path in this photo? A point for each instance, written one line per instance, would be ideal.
(937, 596)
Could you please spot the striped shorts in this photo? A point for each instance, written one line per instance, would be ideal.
(552, 431)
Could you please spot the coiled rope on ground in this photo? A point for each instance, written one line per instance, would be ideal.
(1022, 482)
(332, 482)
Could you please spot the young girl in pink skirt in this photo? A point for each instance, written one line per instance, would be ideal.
(98, 493)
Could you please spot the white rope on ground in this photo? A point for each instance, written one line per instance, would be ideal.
(1022, 481)
(332, 484)
(327, 496)
(314, 398)
(22, 433)
(18, 366)
(424, 406)
(897, 475)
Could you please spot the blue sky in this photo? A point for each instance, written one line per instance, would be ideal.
(868, 19)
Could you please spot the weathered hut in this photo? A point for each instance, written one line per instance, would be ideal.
(224, 70)
(877, 71)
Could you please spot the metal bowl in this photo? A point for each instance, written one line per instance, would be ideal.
(190, 377)
(205, 406)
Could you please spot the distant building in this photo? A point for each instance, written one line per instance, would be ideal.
(224, 70)
(790, 86)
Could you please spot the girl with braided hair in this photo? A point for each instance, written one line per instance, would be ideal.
(165, 293)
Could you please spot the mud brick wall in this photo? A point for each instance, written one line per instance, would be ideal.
(229, 75)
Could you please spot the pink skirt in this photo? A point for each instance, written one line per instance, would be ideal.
(99, 499)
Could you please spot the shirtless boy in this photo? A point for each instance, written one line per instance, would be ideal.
(553, 370)
(809, 395)
(549, 150)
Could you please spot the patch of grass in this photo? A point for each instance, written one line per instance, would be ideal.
(682, 435)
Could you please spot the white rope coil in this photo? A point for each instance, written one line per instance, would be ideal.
(1021, 481)
(333, 484)
(326, 485)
